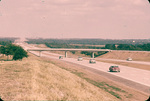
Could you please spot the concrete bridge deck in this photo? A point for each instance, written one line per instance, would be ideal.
(68, 49)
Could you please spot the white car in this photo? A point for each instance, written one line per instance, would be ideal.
(80, 58)
(129, 59)
(92, 61)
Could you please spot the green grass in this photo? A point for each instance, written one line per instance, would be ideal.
(105, 86)
(115, 88)
(17, 71)
(80, 74)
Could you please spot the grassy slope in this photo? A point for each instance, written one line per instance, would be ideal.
(137, 56)
(37, 79)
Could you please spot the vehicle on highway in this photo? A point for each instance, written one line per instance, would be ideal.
(60, 57)
(129, 59)
(80, 58)
(114, 69)
(92, 61)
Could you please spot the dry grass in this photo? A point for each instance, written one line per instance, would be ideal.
(3, 57)
(39, 45)
(88, 45)
(37, 79)
(123, 55)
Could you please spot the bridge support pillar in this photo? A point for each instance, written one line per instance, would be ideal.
(65, 54)
(92, 54)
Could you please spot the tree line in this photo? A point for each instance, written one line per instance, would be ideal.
(17, 52)
(64, 45)
(89, 41)
(126, 44)
(96, 54)
(138, 47)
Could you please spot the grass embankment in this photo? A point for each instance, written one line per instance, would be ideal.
(37, 79)
(123, 55)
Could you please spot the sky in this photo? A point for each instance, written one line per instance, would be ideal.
(106, 19)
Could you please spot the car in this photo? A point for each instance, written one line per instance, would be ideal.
(80, 58)
(129, 59)
(92, 61)
(60, 57)
(114, 69)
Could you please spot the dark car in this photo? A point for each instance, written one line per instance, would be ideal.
(114, 69)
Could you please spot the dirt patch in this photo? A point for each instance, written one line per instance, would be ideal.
(39, 45)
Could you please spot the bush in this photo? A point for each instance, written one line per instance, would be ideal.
(19, 54)
(17, 51)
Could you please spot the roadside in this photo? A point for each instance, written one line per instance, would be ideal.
(124, 92)
(134, 65)
(123, 55)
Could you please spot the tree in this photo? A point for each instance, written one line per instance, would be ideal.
(19, 54)
(2, 50)
(17, 51)
(12, 48)
(5, 50)
(110, 46)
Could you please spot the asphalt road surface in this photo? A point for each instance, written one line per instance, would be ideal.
(136, 62)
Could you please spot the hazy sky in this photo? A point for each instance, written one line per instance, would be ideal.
(111, 19)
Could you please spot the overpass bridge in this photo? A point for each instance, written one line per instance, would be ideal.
(68, 49)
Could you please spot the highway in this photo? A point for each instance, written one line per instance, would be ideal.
(133, 75)
(136, 62)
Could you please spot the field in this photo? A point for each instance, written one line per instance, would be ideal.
(36, 79)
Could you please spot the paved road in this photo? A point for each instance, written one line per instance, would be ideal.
(139, 76)
(133, 74)
(136, 62)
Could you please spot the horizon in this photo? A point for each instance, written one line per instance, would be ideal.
(73, 38)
